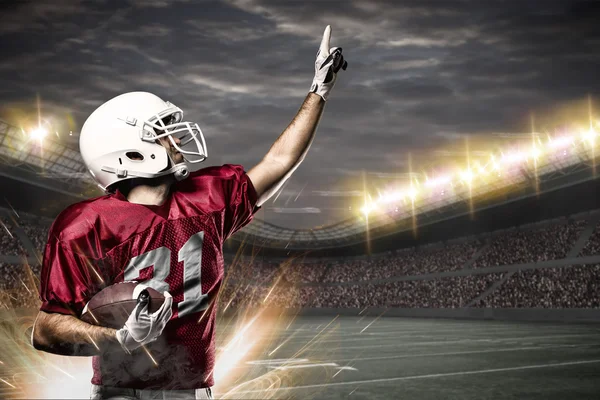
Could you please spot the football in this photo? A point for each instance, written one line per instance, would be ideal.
(112, 306)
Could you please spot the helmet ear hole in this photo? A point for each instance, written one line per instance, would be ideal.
(134, 156)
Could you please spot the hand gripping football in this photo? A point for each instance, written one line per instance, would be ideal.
(112, 306)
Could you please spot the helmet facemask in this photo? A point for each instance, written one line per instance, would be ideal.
(168, 124)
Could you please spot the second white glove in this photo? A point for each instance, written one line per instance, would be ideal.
(329, 62)
(142, 327)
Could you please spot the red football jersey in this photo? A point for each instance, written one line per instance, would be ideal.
(176, 247)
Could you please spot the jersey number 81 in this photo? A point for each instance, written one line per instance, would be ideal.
(191, 255)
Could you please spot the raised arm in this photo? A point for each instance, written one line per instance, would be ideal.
(289, 150)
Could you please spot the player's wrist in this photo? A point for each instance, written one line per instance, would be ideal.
(319, 89)
(121, 338)
(107, 338)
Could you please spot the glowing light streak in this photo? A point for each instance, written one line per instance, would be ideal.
(226, 306)
(282, 343)
(241, 333)
(300, 192)
(272, 288)
(302, 366)
(228, 361)
(61, 370)
(535, 153)
(11, 207)
(93, 316)
(6, 229)
(307, 345)
(372, 322)
(95, 272)
(150, 355)
(25, 285)
(280, 191)
(12, 386)
(290, 324)
(345, 368)
(93, 342)
(277, 361)
(204, 313)
(41, 376)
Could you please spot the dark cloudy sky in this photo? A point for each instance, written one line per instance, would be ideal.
(422, 76)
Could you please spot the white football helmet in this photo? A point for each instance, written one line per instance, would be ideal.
(126, 128)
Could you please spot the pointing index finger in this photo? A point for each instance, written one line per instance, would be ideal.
(325, 42)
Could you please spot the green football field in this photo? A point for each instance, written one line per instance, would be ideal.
(396, 358)
(362, 358)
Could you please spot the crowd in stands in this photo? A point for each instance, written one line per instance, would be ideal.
(406, 262)
(9, 243)
(404, 278)
(37, 234)
(526, 246)
(592, 246)
(569, 287)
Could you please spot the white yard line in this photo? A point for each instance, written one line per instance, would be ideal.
(379, 334)
(375, 336)
(455, 353)
(488, 340)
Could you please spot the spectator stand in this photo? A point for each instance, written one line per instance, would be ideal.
(585, 236)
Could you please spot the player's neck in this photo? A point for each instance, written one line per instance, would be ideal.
(154, 194)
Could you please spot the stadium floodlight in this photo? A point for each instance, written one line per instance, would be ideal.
(39, 133)
(439, 181)
(368, 208)
(535, 153)
(589, 136)
(514, 157)
(412, 193)
(467, 176)
(560, 142)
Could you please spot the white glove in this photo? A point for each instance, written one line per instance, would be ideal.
(329, 61)
(142, 327)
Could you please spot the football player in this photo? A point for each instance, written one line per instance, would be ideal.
(163, 226)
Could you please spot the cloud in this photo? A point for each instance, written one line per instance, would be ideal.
(37, 15)
(236, 31)
(155, 3)
(423, 76)
(146, 31)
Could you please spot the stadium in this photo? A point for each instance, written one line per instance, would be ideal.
(190, 209)
(486, 281)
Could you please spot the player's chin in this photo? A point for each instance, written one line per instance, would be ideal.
(177, 158)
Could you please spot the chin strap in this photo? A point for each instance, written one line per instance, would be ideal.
(180, 171)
